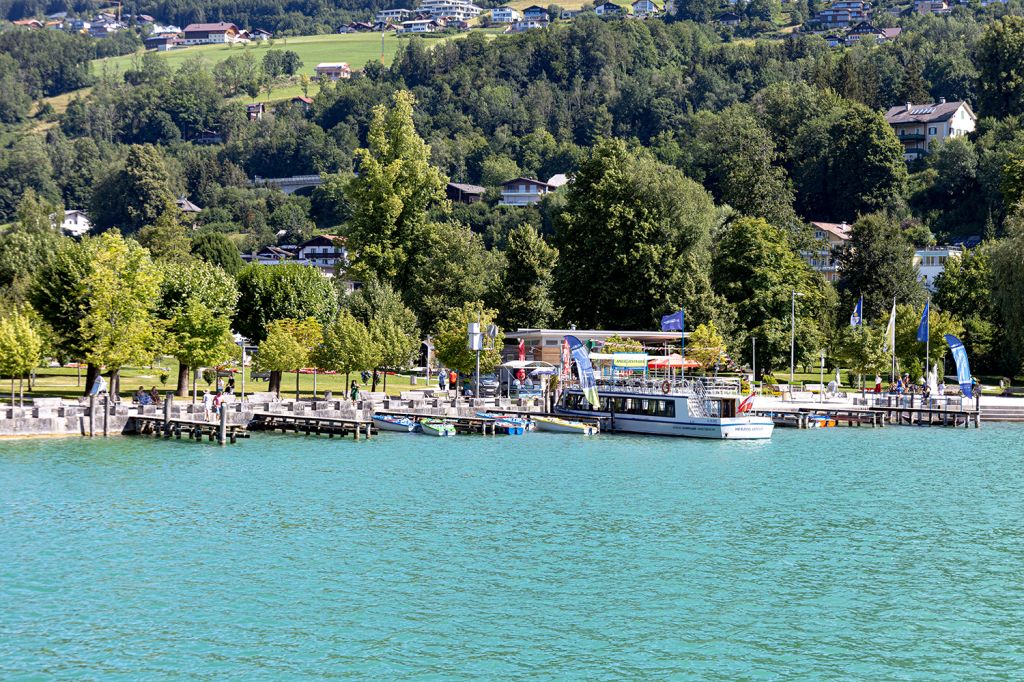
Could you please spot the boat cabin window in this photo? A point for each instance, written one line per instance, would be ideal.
(650, 407)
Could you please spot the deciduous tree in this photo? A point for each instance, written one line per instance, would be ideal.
(390, 196)
(627, 231)
(451, 343)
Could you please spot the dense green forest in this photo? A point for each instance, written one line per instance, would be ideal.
(697, 161)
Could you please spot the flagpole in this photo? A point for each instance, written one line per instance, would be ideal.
(928, 338)
(892, 342)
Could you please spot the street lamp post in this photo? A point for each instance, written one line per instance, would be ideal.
(792, 337)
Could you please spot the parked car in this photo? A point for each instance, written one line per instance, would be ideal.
(489, 385)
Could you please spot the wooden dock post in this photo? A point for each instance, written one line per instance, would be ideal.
(106, 415)
(222, 432)
(92, 416)
(168, 396)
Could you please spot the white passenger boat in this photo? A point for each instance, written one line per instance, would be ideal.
(436, 427)
(386, 422)
(698, 408)
(556, 425)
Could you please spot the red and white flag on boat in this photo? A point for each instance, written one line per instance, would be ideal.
(522, 349)
(746, 405)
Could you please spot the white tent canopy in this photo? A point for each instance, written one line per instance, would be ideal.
(526, 364)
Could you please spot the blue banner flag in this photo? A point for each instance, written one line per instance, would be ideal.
(922, 328)
(673, 322)
(963, 368)
(857, 318)
(586, 370)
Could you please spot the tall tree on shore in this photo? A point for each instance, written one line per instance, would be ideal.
(121, 288)
(877, 263)
(290, 291)
(20, 349)
(757, 269)
(390, 196)
(289, 345)
(57, 295)
(525, 291)
(346, 347)
(197, 300)
(629, 226)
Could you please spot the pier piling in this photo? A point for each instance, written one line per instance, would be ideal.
(222, 432)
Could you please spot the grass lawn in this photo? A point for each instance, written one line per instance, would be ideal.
(63, 382)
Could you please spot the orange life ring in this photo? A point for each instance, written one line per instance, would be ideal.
(666, 386)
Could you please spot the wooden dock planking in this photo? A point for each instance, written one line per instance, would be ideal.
(158, 426)
(313, 425)
(875, 415)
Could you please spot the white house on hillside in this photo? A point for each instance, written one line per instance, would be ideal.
(75, 223)
(526, 191)
(505, 15)
(931, 261)
(325, 252)
(829, 236)
(917, 125)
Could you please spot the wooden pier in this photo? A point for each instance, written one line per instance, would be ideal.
(221, 432)
(875, 416)
(313, 425)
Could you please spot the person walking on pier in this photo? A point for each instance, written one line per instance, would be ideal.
(453, 380)
(207, 404)
(442, 378)
(354, 391)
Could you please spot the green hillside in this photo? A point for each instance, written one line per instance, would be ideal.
(356, 48)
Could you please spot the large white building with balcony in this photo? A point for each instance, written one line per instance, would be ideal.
(918, 125)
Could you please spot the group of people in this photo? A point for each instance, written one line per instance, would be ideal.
(904, 386)
(212, 403)
(152, 397)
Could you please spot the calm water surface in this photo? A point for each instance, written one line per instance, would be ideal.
(837, 554)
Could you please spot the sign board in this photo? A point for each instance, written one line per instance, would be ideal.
(474, 337)
(629, 361)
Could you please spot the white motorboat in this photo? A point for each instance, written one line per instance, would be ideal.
(693, 408)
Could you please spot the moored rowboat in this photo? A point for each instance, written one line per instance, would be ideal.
(436, 427)
(556, 425)
(512, 426)
(386, 422)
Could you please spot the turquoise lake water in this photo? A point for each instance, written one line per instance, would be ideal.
(836, 554)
